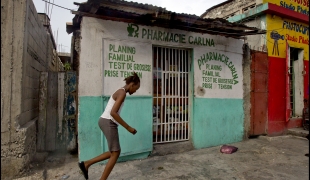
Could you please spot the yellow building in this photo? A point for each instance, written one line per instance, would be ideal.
(287, 46)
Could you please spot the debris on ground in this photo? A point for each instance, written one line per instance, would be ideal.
(228, 149)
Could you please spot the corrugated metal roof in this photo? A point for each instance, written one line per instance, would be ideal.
(145, 14)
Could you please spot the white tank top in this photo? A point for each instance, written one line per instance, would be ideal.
(107, 112)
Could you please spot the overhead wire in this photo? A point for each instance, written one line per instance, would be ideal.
(57, 5)
(240, 22)
(48, 11)
(51, 11)
(50, 14)
(48, 8)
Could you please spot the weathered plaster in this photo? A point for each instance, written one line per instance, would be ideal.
(246, 66)
(23, 56)
(221, 117)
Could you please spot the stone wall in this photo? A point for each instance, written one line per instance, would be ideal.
(25, 52)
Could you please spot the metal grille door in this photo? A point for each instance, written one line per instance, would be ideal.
(170, 92)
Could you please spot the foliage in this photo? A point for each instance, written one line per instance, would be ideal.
(67, 66)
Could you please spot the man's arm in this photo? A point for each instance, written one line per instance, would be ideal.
(118, 102)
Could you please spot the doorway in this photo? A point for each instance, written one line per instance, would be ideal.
(296, 82)
(170, 94)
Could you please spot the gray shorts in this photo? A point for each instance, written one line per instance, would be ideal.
(110, 131)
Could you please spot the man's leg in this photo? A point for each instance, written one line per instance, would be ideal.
(108, 168)
(99, 158)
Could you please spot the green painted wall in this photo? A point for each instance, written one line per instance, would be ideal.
(257, 11)
(137, 112)
(216, 122)
(89, 133)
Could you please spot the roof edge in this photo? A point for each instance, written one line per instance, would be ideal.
(170, 19)
(215, 6)
(268, 8)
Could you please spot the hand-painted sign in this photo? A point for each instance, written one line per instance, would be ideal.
(217, 75)
(214, 56)
(300, 6)
(281, 30)
(121, 59)
(157, 35)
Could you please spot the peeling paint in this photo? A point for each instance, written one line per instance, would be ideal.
(70, 111)
(200, 91)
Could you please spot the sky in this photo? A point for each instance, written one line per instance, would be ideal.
(59, 16)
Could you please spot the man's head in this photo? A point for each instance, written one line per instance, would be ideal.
(133, 83)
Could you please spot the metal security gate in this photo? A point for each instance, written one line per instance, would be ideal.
(170, 92)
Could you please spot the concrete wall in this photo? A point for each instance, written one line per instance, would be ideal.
(252, 19)
(232, 12)
(54, 62)
(230, 9)
(24, 48)
(217, 114)
(257, 42)
(246, 66)
(13, 138)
